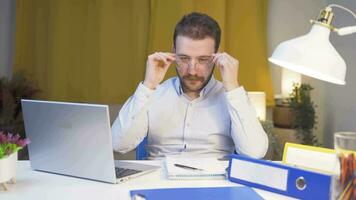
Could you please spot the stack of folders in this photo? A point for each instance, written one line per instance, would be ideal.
(195, 168)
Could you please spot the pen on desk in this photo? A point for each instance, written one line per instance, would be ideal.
(188, 167)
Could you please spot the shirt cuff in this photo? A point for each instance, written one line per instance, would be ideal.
(238, 93)
(240, 101)
(238, 97)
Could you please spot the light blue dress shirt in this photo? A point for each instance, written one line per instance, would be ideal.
(213, 125)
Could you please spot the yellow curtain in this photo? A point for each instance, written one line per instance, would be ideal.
(96, 50)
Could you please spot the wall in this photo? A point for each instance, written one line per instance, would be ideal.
(7, 30)
(340, 101)
(289, 19)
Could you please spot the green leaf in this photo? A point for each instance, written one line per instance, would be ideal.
(2, 152)
(305, 117)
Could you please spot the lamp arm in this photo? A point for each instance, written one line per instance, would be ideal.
(345, 30)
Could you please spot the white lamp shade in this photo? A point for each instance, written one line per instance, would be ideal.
(258, 101)
(312, 55)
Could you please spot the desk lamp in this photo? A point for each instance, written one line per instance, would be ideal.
(312, 54)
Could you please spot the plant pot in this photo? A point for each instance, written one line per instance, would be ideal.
(23, 154)
(283, 116)
(8, 170)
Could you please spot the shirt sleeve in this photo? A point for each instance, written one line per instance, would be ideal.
(246, 131)
(131, 125)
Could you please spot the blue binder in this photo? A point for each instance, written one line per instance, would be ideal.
(212, 193)
(279, 178)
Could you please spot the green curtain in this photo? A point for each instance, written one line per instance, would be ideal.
(96, 50)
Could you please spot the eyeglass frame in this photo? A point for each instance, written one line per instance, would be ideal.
(181, 63)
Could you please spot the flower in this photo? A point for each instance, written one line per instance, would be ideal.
(10, 143)
(3, 138)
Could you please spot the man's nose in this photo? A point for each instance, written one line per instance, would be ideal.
(192, 67)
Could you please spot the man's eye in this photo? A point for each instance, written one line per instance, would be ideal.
(203, 60)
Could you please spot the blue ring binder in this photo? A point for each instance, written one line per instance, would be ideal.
(313, 185)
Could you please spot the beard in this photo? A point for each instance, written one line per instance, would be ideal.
(194, 83)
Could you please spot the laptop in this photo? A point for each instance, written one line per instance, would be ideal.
(74, 139)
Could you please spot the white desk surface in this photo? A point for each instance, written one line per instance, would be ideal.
(40, 185)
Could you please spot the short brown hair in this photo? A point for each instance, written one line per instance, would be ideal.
(198, 26)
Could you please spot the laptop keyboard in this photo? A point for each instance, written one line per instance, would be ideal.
(122, 172)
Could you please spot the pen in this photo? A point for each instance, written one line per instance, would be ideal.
(187, 167)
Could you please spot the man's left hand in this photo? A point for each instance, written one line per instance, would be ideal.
(229, 68)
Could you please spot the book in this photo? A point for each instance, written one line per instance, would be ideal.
(195, 168)
(212, 193)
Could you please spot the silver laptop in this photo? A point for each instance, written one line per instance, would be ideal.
(75, 139)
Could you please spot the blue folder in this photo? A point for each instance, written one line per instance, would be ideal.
(211, 193)
(299, 183)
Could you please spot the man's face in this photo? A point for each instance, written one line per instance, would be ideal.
(194, 62)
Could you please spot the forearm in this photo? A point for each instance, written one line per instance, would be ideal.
(131, 125)
(246, 131)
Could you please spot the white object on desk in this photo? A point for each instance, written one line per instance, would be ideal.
(8, 170)
(39, 185)
(206, 168)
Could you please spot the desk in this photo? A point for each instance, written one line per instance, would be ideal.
(40, 185)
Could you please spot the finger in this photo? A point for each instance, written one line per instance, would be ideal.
(227, 59)
(168, 56)
(224, 62)
(216, 59)
(166, 59)
(232, 60)
(171, 54)
(216, 55)
(160, 58)
(219, 59)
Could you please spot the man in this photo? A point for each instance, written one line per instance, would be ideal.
(191, 114)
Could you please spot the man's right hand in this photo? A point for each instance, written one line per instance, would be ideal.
(156, 68)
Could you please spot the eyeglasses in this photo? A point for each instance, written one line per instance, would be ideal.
(184, 61)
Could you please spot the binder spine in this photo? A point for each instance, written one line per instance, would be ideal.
(278, 178)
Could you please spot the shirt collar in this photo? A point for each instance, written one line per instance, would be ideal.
(203, 92)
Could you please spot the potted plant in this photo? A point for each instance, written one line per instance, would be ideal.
(304, 114)
(11, 92)
(274, 147)
(9, 146)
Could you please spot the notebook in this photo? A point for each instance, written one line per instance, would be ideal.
(212, 193)
(195, 168)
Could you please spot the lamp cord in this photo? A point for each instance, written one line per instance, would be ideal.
(345, 30)
(342, 7)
